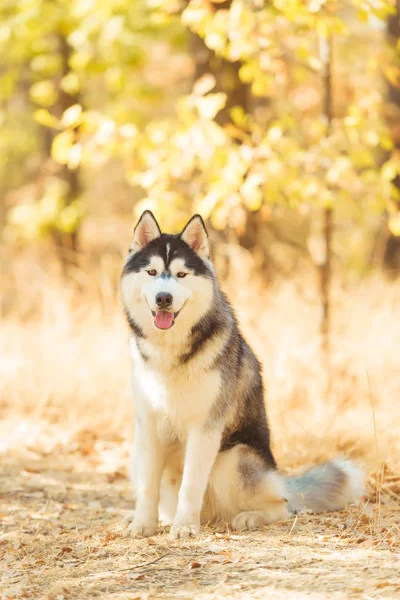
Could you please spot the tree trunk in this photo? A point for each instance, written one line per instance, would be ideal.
(391, 258)
(226, 74)
(66, 244)
(326, 266)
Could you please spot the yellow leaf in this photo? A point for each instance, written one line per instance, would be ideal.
(394, 225)
(248, 71)
(392, 74)
(238, 116)
(254, 200)
(204, 84)
(50, 207)
(61, 147)
(209, 106)
(206, 205)
(44, 93)
(194, 16)
(21, 214)
(75, 156)
(323, 28)
(69, 217)
(219, 218)
(251, 191)
(389, 170)
(43, 117)
(70, 83)
(216, 41)
(72, 116)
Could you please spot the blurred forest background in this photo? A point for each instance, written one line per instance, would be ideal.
(278, 121)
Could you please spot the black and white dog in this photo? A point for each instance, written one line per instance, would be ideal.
(202, 445)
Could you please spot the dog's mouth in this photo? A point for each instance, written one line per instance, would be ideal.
(164, 319)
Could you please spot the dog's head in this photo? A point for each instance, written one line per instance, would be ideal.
(167, 279)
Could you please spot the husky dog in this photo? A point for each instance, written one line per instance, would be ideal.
(202, 444)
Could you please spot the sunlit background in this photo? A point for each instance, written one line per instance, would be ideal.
(279, 122)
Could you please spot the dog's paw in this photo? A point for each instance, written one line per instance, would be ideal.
(139, 529)
(128, 519)
(249, 520)
(183, 532)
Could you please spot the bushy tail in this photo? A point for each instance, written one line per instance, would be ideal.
(330, 486)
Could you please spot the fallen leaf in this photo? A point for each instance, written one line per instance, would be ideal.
(216, 549)
(136, 576)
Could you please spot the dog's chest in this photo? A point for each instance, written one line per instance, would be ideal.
(180, 397)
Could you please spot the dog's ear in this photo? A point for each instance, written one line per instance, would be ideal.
(195, 235)
(146, 230)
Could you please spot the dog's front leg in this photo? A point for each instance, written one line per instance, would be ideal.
(147, 476)
(201, 452)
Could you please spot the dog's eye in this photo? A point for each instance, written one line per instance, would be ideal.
(152, 272)
(181, 274)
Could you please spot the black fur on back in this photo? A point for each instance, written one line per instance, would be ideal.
(241, 380)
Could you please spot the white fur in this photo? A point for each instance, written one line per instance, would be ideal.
(180, 293)
(170, 410)
(355, 482)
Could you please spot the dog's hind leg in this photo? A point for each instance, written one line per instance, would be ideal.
(243, 491)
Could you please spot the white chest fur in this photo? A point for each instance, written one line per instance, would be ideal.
(179, 396)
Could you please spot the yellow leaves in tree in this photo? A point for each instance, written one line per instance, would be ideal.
(338, 170)
(62, 144)
(64, 149)
(394, 224)
(34, 220)
(195, 14)
(44, 93)
(207, 203)
(390, 169)
(208, 106)
(69, 217)
(46, 65)
(392, 74)
(43, 117)
(204, 85)
(251, 191)
(215, 41)
(23, 219)
(70, 83)
(72, 116)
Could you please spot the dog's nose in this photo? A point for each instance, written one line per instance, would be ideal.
(164, 299)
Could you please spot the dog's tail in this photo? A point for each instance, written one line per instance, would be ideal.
(330, 486)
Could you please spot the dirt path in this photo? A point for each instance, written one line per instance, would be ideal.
(61, 539)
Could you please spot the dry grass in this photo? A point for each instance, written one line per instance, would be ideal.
(67, 423)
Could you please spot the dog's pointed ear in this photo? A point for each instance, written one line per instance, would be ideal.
(146, 230)
(195, 235)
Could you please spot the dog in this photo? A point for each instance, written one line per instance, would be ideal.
(201, 438)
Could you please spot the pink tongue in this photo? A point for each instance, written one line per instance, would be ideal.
(164, 319)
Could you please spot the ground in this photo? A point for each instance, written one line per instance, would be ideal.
(67, 425)
(61, 539)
